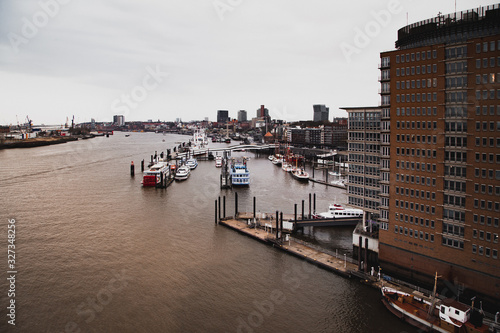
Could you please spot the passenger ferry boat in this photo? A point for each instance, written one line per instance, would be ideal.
(431, 314)
(156, 173)
(182, 173)
(240, 176)
(199, 142)
(218, 161)
(192, 163)
(336, 211)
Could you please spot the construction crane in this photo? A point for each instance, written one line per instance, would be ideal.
(29, 122)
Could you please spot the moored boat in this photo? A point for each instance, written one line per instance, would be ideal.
(218, 161)
(240, 176)
(431, 314)
(338, 211)
(300, 174)
(182, 173)
(192, 163)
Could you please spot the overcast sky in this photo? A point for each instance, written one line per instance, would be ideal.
(187, 59)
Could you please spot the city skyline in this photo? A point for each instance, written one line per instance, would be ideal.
(94, 60)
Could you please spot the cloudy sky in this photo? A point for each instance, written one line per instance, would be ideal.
(152, 59)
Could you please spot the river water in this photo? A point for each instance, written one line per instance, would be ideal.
(96, 252)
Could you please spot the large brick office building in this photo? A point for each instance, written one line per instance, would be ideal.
(440, 162)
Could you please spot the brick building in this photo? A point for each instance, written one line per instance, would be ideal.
(440, 151)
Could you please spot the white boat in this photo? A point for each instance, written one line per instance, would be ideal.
(300, 174)
(287, 167)
(192, 163)
(240, 176)
(199, 142)
(338, 211)
(338, 183)
(156, 174)
(218, 161)
(277, 160)
(270, 157)
(183, 173)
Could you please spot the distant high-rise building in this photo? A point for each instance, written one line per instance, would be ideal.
(118, 120)
(262, 112)
(222, 116)
(242, 116)
(321, 112)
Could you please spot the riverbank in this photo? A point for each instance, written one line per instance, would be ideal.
(35, 142)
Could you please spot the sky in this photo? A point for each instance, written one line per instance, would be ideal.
(152, 59)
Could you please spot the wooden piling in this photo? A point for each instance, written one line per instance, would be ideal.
(254, 203)
(224, 206)
(142, 165)
(277, 224)
(215, 211)
(302, 209)
(132, 169)
(314, 203)
(295, 212)
(219, 210)
(310, 205)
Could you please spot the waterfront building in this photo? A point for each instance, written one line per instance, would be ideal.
(440, 152)
(222, 116)
(320, 112)
(363, 177)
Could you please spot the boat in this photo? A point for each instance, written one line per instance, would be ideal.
(300, 174)
(336, 211)
(127, 135)
(227, 140)
(156, 174)
(287, 167)
(270, 157)
(277, 160)
(218, 161)
(431, 314)
(192, 163)
(240, 176)
(338, 183)
(182, 173)
(199, 143)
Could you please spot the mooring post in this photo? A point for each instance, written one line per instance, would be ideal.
(235, 205)
(142, 165)
(310, 205)
(302, 209)
(224, 206)
(161, 179)
(314, 203)
(132, 169)
(219, 209)
(295, 212)
(277, 224)
(254, 202)
(360, 244)
(366, 255)
(281, 225)
(215, 211)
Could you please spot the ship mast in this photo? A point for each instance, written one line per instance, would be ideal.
(433, 302)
